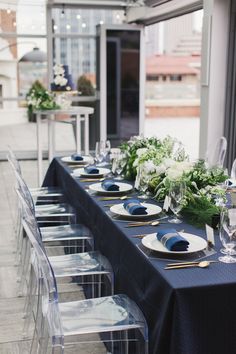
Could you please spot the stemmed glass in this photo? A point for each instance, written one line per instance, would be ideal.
(102, 150)
(228, 233)
(118, 165)
(176, 194)
(142, 186)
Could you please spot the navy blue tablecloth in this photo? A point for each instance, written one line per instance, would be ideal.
(188, 311)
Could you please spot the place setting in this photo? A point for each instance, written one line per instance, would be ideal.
(91, 173)
(110, 187)
(132, 210)
(77, 159)
(169, 244)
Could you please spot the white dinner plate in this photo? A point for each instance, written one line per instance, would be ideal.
(196, 243)
(86, 160)
(151, 210)
(81, 172)
(47, 207)
(124, 187)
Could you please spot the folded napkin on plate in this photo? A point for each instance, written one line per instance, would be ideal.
(110, 186)
(134, 207)
(91, 170)
(172, 240)
(76, 157)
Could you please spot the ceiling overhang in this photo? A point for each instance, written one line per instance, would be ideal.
(162, 11)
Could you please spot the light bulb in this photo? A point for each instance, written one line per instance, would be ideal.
(83, 25)
(68, 26)
(78, 17)
(101, 22)
(8, 10)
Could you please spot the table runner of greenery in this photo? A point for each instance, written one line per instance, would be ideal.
(154, 163)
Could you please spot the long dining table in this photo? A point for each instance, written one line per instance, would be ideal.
(188, 311)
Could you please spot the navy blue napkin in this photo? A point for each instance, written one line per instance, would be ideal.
(77, 157)
(172, 240)
(134, 207)
(110, 186)
(91, 170)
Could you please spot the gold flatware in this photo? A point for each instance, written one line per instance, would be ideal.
(146, 223)
(139, 236)
(91, 179)
(202, 264)
(185, 263)
(114, 198)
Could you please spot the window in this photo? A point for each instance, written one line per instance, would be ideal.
(173, 64)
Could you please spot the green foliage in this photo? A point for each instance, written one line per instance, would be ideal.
(157, 150)
(200, 211)
(38, 98)
(85, 87)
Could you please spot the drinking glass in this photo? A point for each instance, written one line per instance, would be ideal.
(228, 233)
(102, 150)
(118, 165)
(142, 186)
(176, 194)
(98, 153)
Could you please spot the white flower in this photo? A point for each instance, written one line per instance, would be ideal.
(149, 167)
(178, 168)
(173, 173)
(58, 69)
(60, 80)
(141, 151)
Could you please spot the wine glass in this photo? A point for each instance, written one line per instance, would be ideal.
(118, 165)
(176, 194)
(98, 153)
(142, 185)
(228, 233)
(101, 152)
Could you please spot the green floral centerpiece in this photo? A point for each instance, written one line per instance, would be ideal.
(139, 150)
(38, 98)
(154, 164)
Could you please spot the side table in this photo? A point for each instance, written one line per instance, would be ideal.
(79, 113)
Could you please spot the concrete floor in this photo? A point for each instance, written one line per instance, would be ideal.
(22, 137)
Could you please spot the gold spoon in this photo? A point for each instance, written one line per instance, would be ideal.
(202, 264)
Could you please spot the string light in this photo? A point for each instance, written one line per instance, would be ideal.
(8, 11)
(14, 23)
(68, 26)
(55, 27)
(101, 22)
(63, 11)
(84, 25)
(78, 17)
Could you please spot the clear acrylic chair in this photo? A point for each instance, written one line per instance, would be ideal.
(50, 193)
(114, 320)
(91, 270)
(49, 213)
(233, 171)
(216, 157)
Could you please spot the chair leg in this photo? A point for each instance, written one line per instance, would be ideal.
(29, 302)
(126, 342)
